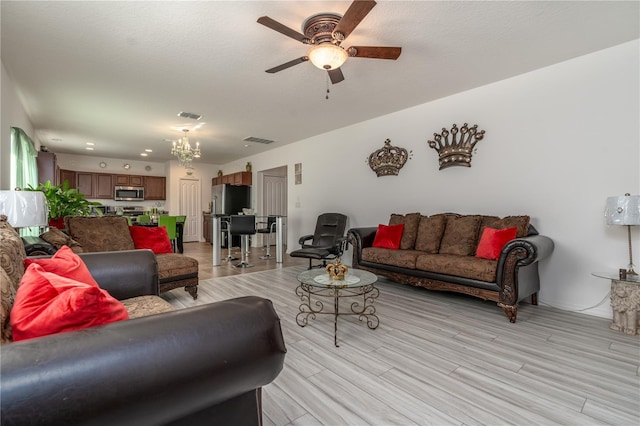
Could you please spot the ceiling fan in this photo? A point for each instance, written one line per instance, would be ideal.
(325, 32)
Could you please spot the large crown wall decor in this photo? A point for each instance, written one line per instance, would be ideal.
(459, 150)
(388, 160)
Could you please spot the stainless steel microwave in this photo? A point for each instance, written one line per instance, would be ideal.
(128, 193)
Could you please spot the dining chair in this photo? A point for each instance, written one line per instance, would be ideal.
(144, 219)
(169, 222)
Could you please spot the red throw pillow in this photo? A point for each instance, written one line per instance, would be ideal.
(67, 264)
(155, 239)
(47, 303)
(492, 242)
(388, 236)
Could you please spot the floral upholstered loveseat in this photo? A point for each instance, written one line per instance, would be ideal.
(111, 233)
(439, 252)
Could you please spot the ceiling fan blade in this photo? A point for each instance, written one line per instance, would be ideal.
(375, 52)
(282, 29)
(335, 75)
(288, 64)
(352, 17)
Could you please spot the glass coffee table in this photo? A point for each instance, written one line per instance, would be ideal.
(357, 284)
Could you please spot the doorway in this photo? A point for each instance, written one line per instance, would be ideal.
(274, 195)
(190, 206)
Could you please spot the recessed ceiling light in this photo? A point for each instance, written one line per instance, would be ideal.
(90, 143)
(148, 150)
(144, 154)
(89, 148)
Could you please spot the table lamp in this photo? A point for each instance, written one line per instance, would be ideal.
(24, 208)
(624, 210)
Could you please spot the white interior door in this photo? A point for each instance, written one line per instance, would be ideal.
(190, 205)
(274, 200)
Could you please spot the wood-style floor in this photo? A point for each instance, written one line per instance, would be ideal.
(438, 358)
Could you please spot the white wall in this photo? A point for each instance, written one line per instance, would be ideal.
(558, 142)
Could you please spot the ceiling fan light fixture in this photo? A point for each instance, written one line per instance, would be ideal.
(327, 56)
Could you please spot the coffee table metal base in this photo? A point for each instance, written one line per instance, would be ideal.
(363, 309)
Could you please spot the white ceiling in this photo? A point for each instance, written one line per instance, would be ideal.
(117, 73)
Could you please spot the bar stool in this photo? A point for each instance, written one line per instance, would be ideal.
(243, 225)
(269, 229)
(226, 227)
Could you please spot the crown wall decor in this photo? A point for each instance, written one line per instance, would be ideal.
(388, 160)
(458, 151)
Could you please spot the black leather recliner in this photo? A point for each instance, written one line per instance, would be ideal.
(328, 242)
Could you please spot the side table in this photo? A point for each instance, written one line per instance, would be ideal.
(625, 302)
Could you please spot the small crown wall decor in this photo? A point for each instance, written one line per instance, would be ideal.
(388, 160)
(459, 150)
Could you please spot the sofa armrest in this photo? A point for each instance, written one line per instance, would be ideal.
(151, 370)
(124, 274)
(360, 238)
(532, 249)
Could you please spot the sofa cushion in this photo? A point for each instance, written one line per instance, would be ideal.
(460, 235)
(521, 223)
(493, 240)
(461, 266)
(430, 232)
(388, 236)
(65, 263)
(155, 239)
(57, 238)
(399, 258)
(173, 265)
(411, 222)
(12, 258)
(106, 233)
(143, 306)
(47, 303)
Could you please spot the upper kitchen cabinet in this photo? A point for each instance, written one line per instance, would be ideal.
(103, 185)
(128, 180)
(155, 188)
(69, 176)
(84, 184)
(48, 169)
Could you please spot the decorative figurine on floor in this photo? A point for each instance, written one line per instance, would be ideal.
(625, 302)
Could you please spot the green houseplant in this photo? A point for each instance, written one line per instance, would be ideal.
(63, 201)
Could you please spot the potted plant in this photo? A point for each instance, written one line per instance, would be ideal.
(63, 201)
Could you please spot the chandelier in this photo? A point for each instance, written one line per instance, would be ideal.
(182, 150)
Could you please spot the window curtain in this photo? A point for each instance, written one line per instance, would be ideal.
(23, 167)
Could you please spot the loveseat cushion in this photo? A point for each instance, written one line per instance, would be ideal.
(399, 258)
(411, 222)
(173, 265)
(142, 306)
(521, 223)
(57, 238)
(430, 232)
(461, 266)
(95, 233)
(460, 235)
(12, 258)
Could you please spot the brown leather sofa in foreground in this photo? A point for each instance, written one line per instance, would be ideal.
(200, 366)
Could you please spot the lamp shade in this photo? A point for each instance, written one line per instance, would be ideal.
(623, 210)
(24, 208)
(327, 56)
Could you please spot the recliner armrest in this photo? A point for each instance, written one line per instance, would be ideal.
(304, 238)
(150, 370)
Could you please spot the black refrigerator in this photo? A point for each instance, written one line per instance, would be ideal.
(227, 200)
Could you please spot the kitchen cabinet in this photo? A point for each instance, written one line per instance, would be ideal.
(84, 183)
(128, 180)
(155, 188)
(239, 178)
(48, 169)
(206, 227)
(103, 186)
(68, 175)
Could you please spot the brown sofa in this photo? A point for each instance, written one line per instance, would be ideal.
(201, 365)
(111, 233)
(438, 252)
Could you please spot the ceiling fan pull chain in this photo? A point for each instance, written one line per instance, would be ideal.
(327, 95)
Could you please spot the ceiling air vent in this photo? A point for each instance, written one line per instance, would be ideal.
(190, 115)
(257, 140)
